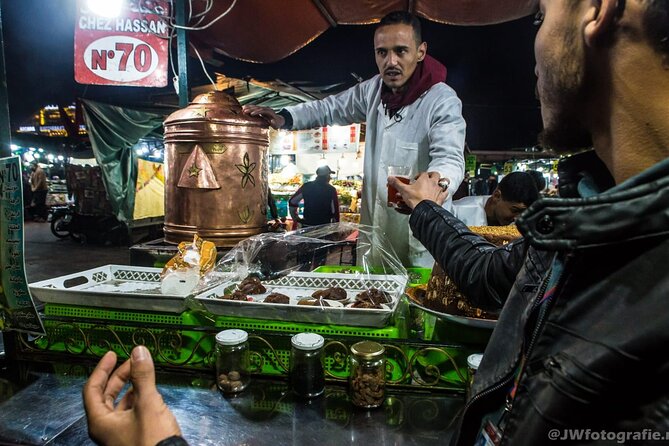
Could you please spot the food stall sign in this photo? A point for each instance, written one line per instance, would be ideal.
(129, 50)
(17, 308)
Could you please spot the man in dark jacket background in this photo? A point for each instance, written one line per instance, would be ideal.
(588, 309)
(321, 205)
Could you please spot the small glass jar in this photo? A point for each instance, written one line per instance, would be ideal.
(367, 379)
(232, 361)
(307, 378)
(473, 362)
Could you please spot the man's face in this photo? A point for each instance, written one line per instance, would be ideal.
(397, 54)
(562, 75)
(504, 212)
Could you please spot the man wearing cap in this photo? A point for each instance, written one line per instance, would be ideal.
(321, 205)
(413, 118)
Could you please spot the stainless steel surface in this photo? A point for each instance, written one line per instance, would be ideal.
(300, 285)
(49, 410)
(216, 172)
(42, 410)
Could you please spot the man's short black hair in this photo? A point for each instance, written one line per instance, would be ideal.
(538, 178)
(519, 187)
(656, 22)
(404, 18)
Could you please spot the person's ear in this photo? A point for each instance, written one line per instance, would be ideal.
(600, 18)
(497, 194)
(422, 51)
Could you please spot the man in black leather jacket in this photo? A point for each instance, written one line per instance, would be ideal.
(579, 351)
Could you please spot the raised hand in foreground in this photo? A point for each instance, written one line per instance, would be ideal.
(141, 416)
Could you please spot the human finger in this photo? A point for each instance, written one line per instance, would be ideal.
(117, 382)
(397, 184)
(149, 406)
(93, 391)
(128, 400)
(248, 109)
(255, 110)
(403, 208)
(142, 371)
(141, 374)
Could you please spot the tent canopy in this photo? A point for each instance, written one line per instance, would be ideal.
(268, 30)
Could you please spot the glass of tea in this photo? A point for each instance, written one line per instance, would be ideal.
(403, 173)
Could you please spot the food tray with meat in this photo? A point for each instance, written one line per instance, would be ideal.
(369, 300)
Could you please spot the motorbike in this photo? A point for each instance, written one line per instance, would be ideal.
(106, 229)
(60, 219)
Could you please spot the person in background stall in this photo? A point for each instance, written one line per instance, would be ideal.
(271, 205)
(39, 188)
(588, 308)
(274, 223)
(512, 196)
(413, 118)
(491, 184)
(462, 190)
(479, 186)
(27, 194)
(321, 205)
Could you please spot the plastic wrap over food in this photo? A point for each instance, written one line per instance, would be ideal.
(337, 273)
(183, 272)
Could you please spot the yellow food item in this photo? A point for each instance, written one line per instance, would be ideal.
(499, 235)
(206, 250)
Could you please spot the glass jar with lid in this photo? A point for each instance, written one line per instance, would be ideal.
(367, 378)
(232, 360)
(307, 378)
(473, 362)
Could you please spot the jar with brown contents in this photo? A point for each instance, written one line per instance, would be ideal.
(232, 361)
(367, 379)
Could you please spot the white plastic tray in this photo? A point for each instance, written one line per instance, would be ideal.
(300, 285)
(110, 286)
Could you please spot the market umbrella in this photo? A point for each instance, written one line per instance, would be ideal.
(266, 31)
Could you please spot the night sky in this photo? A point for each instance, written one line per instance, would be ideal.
(491, 68)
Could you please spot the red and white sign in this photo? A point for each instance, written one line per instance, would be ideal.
(131, 49)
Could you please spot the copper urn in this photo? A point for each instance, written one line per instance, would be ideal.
(216, 172)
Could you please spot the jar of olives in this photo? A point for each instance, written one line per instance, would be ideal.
(232, 360)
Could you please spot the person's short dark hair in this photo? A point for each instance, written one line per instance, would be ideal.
(656, 22)
(403, 18)
(538, 178)
(519, 187)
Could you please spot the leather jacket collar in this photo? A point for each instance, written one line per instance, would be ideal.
(638, 208)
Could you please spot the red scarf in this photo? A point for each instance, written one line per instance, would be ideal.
(427, 73)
